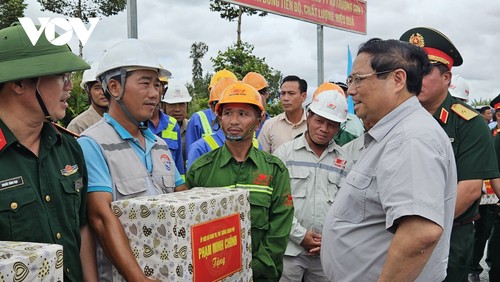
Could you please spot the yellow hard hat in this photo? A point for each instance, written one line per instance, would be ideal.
(240, 92)
(216, 91)
(328, 86)
(256, 80)
(219, 75)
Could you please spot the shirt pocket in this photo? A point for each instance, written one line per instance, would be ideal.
(18, 212)
(259, 211)
(131, 188)
(351, 200)
(334, 184)
(165, 183)
(299, 181)
(72, 187)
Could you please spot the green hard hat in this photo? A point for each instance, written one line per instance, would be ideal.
(19, 59)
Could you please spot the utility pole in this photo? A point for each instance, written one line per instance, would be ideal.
(132, 18)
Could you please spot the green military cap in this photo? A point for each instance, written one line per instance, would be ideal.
(437, 46)
(19, 59)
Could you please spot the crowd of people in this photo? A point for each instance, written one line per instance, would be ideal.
(402, 190)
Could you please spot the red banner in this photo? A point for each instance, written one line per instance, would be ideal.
(216, 246)
(348, 15)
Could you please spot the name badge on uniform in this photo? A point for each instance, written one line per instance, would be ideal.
(11, 183)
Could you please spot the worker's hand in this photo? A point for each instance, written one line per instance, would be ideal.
(312, 242)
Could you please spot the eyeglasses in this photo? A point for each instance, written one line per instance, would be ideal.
(66, 78)
(357, 78)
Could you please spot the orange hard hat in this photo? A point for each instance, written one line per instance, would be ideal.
(328, 86)
(256, 80)
(219, 75)
(240, 92)
(216, 91)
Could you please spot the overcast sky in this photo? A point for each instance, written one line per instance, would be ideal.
(289, 45)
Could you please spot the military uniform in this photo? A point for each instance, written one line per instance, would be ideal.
(268, 181)
(494, 241)
(475, 159)
(471, 142)
(43, 198)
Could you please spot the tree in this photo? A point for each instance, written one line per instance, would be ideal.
(240, 60)
(232, 12)
(84, 9)
(10, 10)
(199, 86)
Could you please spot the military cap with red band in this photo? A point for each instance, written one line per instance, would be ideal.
(437, 46)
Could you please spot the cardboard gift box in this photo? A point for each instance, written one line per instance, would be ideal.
(202, 234)
(26, 261)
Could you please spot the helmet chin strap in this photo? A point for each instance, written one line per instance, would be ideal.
(46, 113)
(142, 125)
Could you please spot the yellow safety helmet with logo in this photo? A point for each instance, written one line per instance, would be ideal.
(220, 75)
(216, 91)
(256, 80)
(328, 86)
(240, 92)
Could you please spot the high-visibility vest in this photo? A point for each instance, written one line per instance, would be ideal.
(169, 132)
(207, 127)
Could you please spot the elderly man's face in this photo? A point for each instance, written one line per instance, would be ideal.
(370, 94)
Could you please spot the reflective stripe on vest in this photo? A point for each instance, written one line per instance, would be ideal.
(254, 188)
(213, 144)
(207, 128)
(169, 132)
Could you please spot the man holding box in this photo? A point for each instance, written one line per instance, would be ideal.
(239, 113)
(124, 158)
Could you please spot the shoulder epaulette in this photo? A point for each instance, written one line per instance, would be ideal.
(62, 129)
(273, 160)
(463, 111)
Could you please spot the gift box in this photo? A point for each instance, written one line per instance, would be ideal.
(488, 197)
(202, 234)
(26, 261)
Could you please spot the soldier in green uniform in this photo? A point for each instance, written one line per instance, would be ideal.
(43, 177)
(239, 113)
(469, 136)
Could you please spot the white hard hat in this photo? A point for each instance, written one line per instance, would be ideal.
(330, 104)
(89, 75)
(131, 54)
(459, 87)
(176, 93)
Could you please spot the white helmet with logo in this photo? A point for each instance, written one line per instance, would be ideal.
(129, 54)
(330, 104)
(176, 93)
(459, 87)
(89, 75)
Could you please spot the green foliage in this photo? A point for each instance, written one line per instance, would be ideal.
(197, 104)
(480, 102)
(199, 86)
(274, 108)
(78, 102)
(84, 9)
(10, 10)
(240, 60)
(198, 51)
(231, 12)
